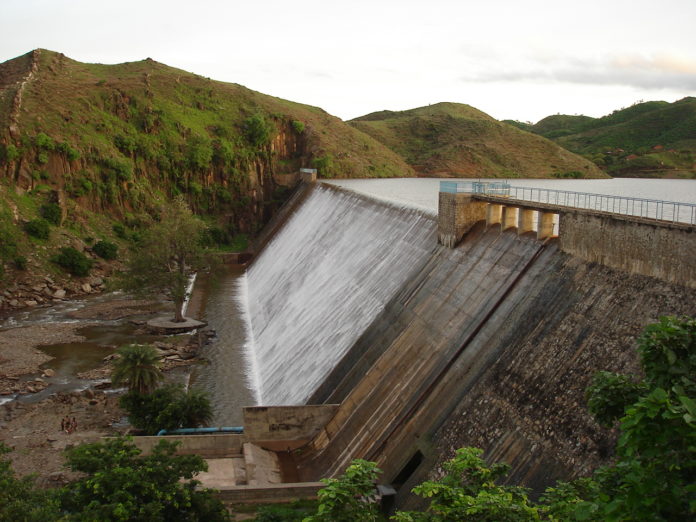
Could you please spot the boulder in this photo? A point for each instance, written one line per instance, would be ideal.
(59, 294)
(48, 372)
(86, 287)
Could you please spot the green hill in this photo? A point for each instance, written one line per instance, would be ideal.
(451, 139)
(105, 142)
(655, 139)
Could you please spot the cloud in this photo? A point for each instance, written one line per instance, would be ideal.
(662, 71)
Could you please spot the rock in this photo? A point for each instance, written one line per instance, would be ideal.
(38, 288)
(95, 281)
(59, 294)
(14, 303)
(48, 372)
(30, 389)
(86, 287)
(88, 393)
(31, 302)
(93, 402)
(187, 355)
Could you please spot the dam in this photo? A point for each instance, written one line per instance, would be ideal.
(375, 340)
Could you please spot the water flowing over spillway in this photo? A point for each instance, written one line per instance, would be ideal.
(321, 281)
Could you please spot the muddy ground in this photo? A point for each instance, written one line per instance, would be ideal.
(33, 430)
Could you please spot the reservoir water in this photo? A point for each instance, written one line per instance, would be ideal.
(423, 192)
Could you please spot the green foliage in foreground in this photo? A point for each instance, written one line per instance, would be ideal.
(122, 485)
(20, 501)
(653, 478)
(349, 498)
(169, 407)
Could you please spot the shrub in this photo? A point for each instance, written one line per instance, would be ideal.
(169, 407)
(73, 261)
(51, 212)
(20, 263)
(298, 126)
(120, 230)
(106, 249)
(38, 228)
(257, 130)
(42, 141)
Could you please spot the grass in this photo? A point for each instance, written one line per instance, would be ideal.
(661, 134)
(456, 139)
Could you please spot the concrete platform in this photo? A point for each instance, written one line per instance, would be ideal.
(223, 473)
(167, 326)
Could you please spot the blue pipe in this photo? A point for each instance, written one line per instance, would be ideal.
(193, 431)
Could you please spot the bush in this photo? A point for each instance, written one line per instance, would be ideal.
(298, 126)
(51, 212)
(106, 249)
(167, 408)
(20, 263)
(120, 230)
(257, 130)
(38, 228)
(74, 261)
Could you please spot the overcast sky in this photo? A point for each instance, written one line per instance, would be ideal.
(512, 59)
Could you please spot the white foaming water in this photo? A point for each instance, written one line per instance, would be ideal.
(252, 373)
(322, 280)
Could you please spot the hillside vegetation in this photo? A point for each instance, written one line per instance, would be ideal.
(104, 143)
(451, 139)
(649, 139)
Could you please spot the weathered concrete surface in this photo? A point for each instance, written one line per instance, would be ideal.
(262, 467)
(271, 493)
(662, 250)
(491, 345)
(223, 473)
(457, 213)
(285, 427)
(209, 445)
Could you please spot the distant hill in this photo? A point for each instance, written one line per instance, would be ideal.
(655, 139)
(451, 139)
(105, 142)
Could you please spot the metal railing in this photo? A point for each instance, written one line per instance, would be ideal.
(475, 187)
(672, 211)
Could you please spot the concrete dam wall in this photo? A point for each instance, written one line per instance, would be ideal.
(489, 344)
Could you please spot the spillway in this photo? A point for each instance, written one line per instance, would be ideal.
(320, 282)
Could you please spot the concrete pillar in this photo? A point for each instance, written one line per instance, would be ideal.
(308, 175)
(509, 217)
(525, 221)
(545, 226)
(456, 214)
(494, 214)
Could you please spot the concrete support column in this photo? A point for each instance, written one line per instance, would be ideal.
(308, 175)
(509, 217)
(457, 213)
(525, 221)
(545, 227)
(494, 214)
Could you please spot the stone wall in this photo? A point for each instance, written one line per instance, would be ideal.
(285, 427)
(457, 213)
(666, 251)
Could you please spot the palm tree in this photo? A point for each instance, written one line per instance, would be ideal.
(138, 367)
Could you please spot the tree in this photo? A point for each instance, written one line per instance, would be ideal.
(655, 470)
(171, 250)
(351, 497)
(122, 485)
(468, 491)
(169, 407)
(20, 501)
(138, 367)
